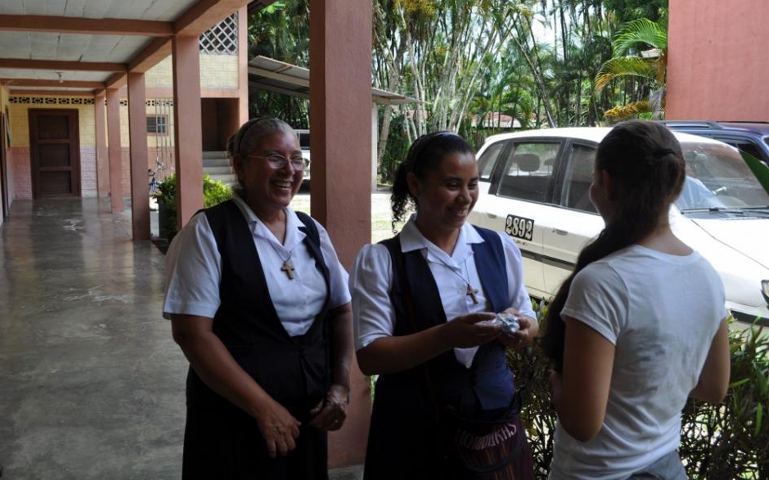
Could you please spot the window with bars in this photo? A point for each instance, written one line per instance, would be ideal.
(222, 38)
(157, 124)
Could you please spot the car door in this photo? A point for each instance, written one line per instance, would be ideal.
(575, 222)
(517, 199)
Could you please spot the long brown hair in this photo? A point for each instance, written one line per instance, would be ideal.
(647, 170)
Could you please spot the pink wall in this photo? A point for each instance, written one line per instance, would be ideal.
(19, 164)
(11, 182)
(717, 68)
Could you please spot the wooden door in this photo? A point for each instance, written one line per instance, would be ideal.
(55, 150)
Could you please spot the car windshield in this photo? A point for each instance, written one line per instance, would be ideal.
(718, 178)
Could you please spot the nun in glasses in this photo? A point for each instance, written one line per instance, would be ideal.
(259, 304)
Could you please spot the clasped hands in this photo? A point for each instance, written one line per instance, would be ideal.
(466, 332)
(280, 429)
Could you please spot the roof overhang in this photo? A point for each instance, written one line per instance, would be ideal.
(275, 76)
(93, 46)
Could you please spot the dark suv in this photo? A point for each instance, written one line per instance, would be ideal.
(750, 137)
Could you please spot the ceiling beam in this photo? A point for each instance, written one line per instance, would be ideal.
(207, 13)
(30, 82)
(62, 65)
(153, 54)
(116, 80)
(89, 26)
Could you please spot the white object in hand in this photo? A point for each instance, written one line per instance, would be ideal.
(507, 322)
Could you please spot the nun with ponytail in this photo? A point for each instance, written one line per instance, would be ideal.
(639, 326)
(425, 304)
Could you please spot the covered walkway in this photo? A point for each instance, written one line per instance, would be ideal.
(92, 383)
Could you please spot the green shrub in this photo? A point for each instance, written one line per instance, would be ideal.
(718, 442)
(214, 192)
(731, 440)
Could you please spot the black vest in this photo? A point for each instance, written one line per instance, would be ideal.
(290, 369)
(488, 379)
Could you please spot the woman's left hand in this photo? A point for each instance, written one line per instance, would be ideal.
(329, 414)
(528, 328)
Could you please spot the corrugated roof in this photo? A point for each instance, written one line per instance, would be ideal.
(281, 77)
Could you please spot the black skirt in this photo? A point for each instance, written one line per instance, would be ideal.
(221, 441)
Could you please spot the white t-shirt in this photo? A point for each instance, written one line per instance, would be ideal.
(661, 312)
(193, 271)
(371, 281)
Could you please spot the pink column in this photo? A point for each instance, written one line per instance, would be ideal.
(187, 129)
(102, 158)
(137, 130)
(115, 163)
(340, 122)
(242, 66)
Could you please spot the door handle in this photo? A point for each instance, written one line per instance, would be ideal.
(490, 215)
(560, 232)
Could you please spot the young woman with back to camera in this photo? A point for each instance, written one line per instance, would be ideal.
(639, 326)
(421, 303)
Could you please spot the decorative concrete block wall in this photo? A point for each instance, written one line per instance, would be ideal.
(161, 75)
(219, 71)
(88, 171)
(216, 72)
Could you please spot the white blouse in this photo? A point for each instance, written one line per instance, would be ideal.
(371, 281)
(193, 271)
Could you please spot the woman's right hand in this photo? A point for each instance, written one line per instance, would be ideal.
(464, 331)
(279, 428)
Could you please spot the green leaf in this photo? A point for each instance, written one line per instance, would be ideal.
(739, 382)
(759, 418)
(624, 66)
(642, 32)
(759, 169)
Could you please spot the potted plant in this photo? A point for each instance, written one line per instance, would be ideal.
(214, 192)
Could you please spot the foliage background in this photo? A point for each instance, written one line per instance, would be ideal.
(472, 62)
(718, 442)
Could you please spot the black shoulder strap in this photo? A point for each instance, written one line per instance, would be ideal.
(219, 217)
(309, 227)
(399, 269)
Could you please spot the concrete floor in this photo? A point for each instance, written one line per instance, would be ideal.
(91, 382)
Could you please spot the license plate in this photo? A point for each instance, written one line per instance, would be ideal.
(519, 227)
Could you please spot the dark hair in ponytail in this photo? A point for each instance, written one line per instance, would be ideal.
(647, 170)
(424, 156)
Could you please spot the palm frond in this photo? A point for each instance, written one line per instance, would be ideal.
(624, 66)
(622, 112)
(640, 32)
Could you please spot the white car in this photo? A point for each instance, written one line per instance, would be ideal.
(534, 186)
(304, 143)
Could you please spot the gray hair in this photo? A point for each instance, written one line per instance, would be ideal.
(249, 136)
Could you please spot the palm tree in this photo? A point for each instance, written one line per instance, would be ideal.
(650, 66)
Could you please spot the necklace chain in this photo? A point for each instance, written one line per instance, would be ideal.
(470, 290)
(287, 266)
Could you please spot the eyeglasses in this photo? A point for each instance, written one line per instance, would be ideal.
(279, 161)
